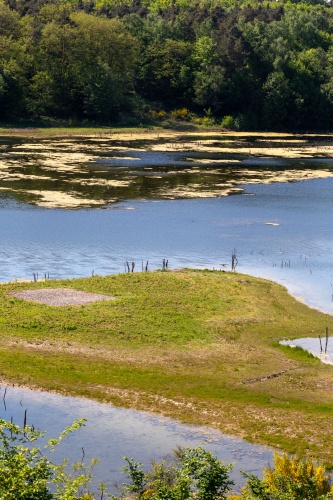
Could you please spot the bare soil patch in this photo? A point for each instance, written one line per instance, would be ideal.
(60, 296)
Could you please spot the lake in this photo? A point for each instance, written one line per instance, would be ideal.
(296, 252)
(72, 208)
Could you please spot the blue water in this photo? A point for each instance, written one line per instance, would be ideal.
(296, 252)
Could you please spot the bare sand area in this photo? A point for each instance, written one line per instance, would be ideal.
(60, 296)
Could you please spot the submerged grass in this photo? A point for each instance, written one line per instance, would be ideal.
(198, 345)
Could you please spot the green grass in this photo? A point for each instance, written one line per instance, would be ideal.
(40, 131)
(37, 131)
(197, 345)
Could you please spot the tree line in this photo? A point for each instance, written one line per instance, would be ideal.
(248, 65)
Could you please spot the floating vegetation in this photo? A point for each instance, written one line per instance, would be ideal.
(99, 171)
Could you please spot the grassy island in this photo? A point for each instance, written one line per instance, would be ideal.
(201, 346)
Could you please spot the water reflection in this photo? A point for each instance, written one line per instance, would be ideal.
(95, 172)
(110, 433)
(314, 346)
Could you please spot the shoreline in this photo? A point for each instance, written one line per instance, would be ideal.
(295, 295)
(154, 435)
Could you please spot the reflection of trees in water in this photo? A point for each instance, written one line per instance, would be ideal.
(156, 175)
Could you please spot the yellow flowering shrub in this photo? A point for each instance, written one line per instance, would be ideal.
(304, 478)
(158, 115)
(181, 114)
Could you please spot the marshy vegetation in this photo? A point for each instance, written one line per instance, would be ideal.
(76, 168)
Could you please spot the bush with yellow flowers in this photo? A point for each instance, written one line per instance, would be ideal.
(290, 479)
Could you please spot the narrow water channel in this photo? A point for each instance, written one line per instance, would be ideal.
(111, 433)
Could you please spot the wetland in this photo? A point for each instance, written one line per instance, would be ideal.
(200, 346)
(100, 170)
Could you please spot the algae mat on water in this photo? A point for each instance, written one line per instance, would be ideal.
(91, 168)
(198, 345)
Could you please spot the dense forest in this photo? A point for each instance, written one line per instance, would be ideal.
(243, 64)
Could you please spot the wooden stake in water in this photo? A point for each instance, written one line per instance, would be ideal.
(4, 399)
(326, 339)
(234, 260)
(321, 347)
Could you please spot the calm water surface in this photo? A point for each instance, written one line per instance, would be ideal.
(313, 345)
(111, 433)
(296, 251)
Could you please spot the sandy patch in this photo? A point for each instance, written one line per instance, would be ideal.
(59, 199)
(101, 182)
(119, 149)
(124, 158)
(183, 192)
(261, 177)
(207, 161)
(151, 135)
(215, 146)
(31, 147)
(60, 296)
(290, 141)
(18, 177)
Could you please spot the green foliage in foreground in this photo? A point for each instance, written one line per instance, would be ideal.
(191, 473)
(194, 473)
(27, 474)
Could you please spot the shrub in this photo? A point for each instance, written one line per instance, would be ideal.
(190, 473)
(157, 115)
(181, 114)
(27, 474)
(229, 122)
(290, 479)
